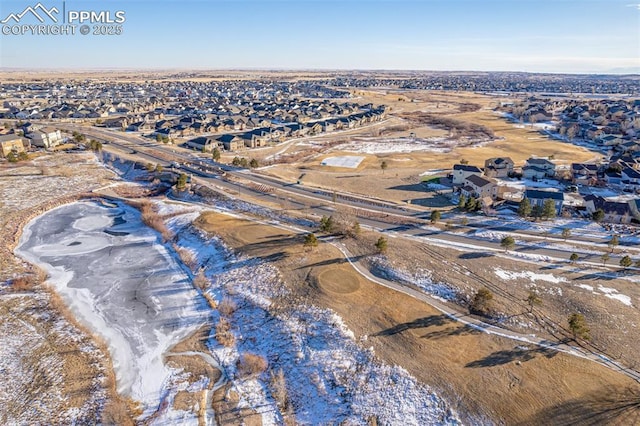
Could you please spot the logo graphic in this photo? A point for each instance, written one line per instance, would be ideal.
(43, 21)
(34, 11)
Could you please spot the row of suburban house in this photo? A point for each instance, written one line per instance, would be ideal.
(264, 135)
(486, 185)
(42, 138)
(92, 100)
(611, 124)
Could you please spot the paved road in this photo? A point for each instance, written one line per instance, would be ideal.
(454, 313)
(482, 326)
(319, 207)
(373, 213)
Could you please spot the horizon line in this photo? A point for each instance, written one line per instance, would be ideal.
(302, 69)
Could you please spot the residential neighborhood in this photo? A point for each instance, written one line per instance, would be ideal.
(231, 115)
(611, 126)
(581, 189)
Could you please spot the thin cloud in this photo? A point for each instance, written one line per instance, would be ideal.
(634, 5)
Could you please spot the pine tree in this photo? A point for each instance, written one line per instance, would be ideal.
(598, 215)
(381, 245)
(481, 302)
(533, 299)
(574, 258)
(524, 209)
(507, 243)
(471, 205)
(462, 201)
(578, 326)
(327, 224)
(549, 209)
(311, 241)
(625, 262)
(215, 154)
(182, 182)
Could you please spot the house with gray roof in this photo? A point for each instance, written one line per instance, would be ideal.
(481, 187)
(614, 211)
(462, 171)
(537, 197)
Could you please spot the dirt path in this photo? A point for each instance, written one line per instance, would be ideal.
(486, 377)
(470, 321)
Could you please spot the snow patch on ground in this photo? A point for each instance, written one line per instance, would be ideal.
(347, 161)
(612, 293)
(532, 276)
(585, 287)
(420, 278)
(609, 292)
(330, 377)
(402, 145)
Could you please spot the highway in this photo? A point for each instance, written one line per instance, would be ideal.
(408, 223)
(401, 221)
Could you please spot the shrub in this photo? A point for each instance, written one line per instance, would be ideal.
(21, 284)
(227, 307)
(200, 281)
(224, 336)
(251, 365)
(481, 302)
(278, 387)
(327, 224)
(186, 256)
(153, 220)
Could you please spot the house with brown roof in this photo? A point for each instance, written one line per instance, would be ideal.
(480, 187)
(203, 144)
(462, 171)
(230, 142)
(498, 167)
(11, 143)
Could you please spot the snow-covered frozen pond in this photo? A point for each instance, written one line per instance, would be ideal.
(121, 283)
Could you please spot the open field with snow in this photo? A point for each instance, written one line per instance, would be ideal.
(482, 373)
(411, 148)
(330, 375)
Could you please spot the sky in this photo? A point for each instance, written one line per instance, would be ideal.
(563, 36)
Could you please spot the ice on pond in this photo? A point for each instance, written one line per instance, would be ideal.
(122, 283)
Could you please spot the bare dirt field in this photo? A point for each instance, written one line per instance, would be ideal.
(485, 377)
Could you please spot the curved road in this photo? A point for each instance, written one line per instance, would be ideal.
(321, 204)
(480, 325)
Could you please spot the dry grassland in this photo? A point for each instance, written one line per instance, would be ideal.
(481, 375)
(466, 108)
(73, 377)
